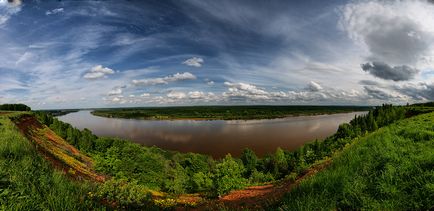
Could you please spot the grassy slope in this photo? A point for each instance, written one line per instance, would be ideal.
(224, 112)
(392, 168)
(28, 181)
(62, 154)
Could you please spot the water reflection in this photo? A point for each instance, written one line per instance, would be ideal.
(215, 138)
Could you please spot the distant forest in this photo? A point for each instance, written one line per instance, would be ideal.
(224, 112)
(14, 107)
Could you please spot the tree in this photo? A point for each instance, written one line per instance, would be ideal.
(15, 107)
(249, 159)
(229, 175)
(280, 162)
(201, 182)
(176, 178)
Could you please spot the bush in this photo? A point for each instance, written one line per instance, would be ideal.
(229, 175)
(127, 194)
(260, 177)
(202, 182)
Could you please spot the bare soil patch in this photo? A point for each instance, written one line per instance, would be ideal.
(258, 197)
(57, 151)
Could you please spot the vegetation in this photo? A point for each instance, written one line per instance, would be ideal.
(28, 182)
(14, 107)
(144, 177)
(391, 169)
(176, 173)
(60, 112)
(224, 112)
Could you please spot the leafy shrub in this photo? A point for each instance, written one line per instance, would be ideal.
(229, 175)
(127, 194)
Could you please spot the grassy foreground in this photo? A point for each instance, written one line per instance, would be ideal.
(391, 169)
(224, 112)
(29, 182)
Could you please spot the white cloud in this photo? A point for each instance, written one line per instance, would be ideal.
(25, 57)
(145, 95)
(176, 95)
(7, 9)
(394, 32)
(245, 90)
(172, 78)
(54, 11)
(98, 72)
(313, 87)
(209, 82)
(115, 91)
(194, 62)
(199, 95)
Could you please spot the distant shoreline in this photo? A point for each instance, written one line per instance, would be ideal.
(223, 113)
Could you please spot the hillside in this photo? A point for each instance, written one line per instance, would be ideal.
(359, 166)
(28, 181)
(391, 169)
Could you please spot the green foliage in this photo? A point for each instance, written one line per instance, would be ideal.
(223, 112)
(258, 177)
(14, 107)
(391, 169)
(229, 175)
(124, 194)
(250, 161)
(172, 172)
(28, 181)
(202, 182)
(176, 179)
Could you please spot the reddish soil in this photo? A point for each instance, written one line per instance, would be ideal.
(258, 197)
(29, 125)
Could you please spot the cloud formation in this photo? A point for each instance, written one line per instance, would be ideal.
(387, 72)
(54, 11)
(176, 95)
(378, 93)
(313, 87)
(419, 92)
(172, 78)
(8, 8)
(98, 72)
(194, 62)
(396, 32)
(115, 91)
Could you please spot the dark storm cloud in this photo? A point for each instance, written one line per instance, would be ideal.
(387, 72)
(402, 41)
(369, 83)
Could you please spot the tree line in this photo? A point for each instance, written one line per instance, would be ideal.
(14, 107)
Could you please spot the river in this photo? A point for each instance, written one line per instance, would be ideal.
(217, 137)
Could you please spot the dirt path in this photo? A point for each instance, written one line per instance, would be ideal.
(258, 197)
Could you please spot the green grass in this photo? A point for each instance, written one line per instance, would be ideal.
(390, 169)
(28, 182)
(223, 112)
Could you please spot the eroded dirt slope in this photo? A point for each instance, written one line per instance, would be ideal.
(55, 149)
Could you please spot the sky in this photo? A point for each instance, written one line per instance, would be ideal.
(88, 54)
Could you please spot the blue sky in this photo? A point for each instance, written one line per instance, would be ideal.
(78, 54)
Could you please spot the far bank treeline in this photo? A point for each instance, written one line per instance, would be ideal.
(174, 172)
(14, 107)
(224, 112)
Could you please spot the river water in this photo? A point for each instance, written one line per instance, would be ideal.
(217, 137)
